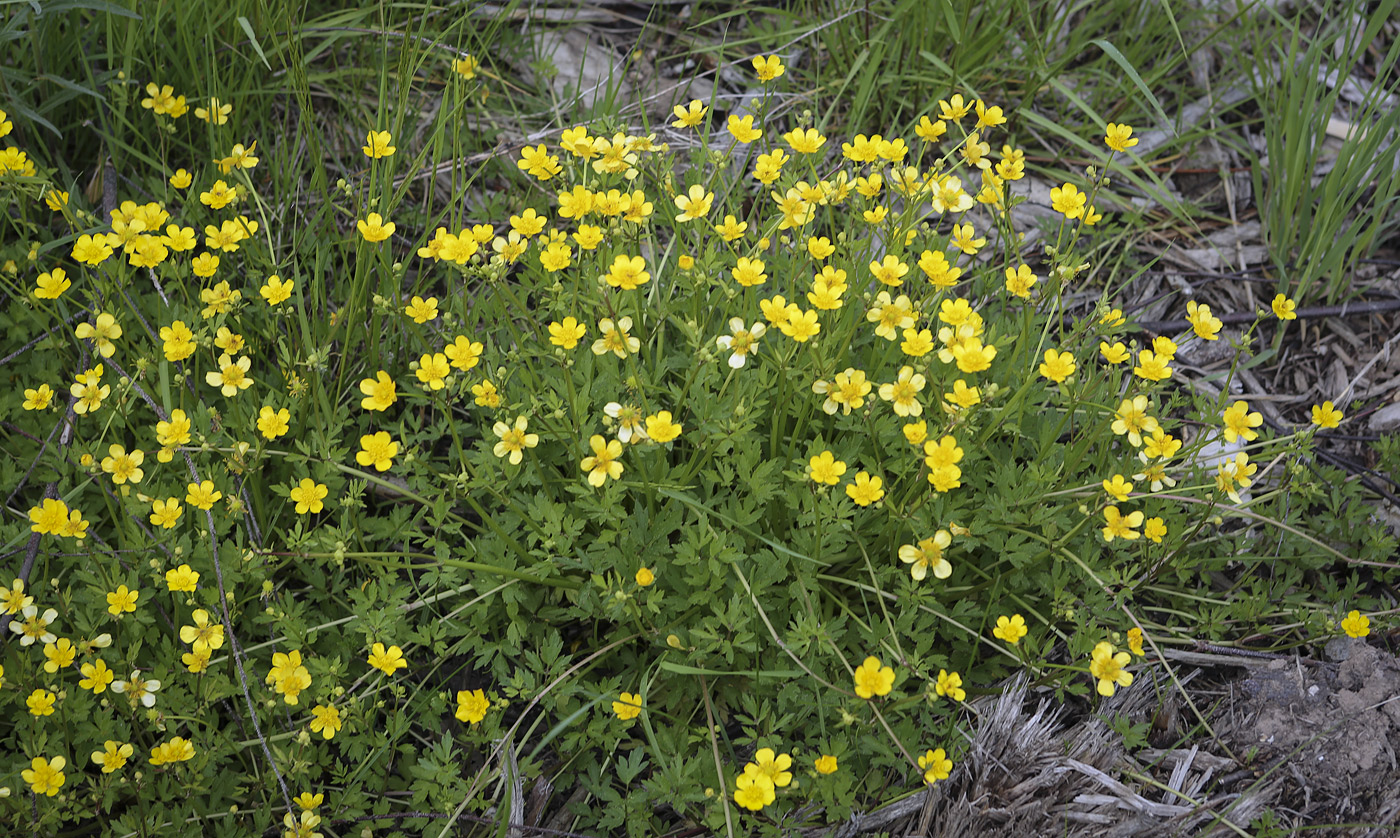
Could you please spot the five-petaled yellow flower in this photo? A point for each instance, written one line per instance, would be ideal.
(308, 495)
(825, 469)
(513, 439)
(374, 228)
(604, 462)
(873, 679)
(1107, 667)
(388, 660)
(1011, 629)
(378, 145)
(1326, 415)
(1355, 624)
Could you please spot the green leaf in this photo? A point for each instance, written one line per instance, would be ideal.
(1112, 52)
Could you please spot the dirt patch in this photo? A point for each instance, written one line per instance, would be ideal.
(1330, 730)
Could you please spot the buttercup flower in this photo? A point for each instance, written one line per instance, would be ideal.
(422, 310)
(1284, 308)
(872, 678)
(645, 577)
(753, 791)
(928, 555)
(96, 676)
(1068, 201)
(628, 707)
(768, 68)
(139, 690)
(566, 334)
(374, 229)
(615, 338)
(1057, 366)
(689, 115)
(825, 469)
(182, 579)
(377, 145)
(122, 601)
(1356, 625)
(45, 776)
(1011, 629)
(113, 756)
(741, 341)
(325, 720)
(379, 391)
(308, 495)
(1324, 415)
(604, 462)
(202, 495)
(1117, 525)
(388, 660)
(34, 626)
(949, 685)
(205, 633)
(378, 450)
(1119, 137)
(1240, 423)
(695, 203)
(826, 764)
(865, 490)
(1107, 668)
(661, 427)
(513, 439)
(936, 765)
(471, 706)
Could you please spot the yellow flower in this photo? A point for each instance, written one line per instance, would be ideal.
(378, 450)
(743, 129)
(645, 577)
(471, 706)
(422, 310)
(1068, 200)
(202, 495)
(826, 764)
(768, 68)
(39, 398)
(661, 427)
(1240, 423)
(231, 377)
(204, 633)
(122, 466)
(374, 229)
(627, 272)
(166, 513)
(307, 495)
(1324, 415)
(103, 330)
(628, 707)
(178, 749)
(181, 179)
(514, 440)
(1117, 137)
(466, 67)
(50, 285)
(273, 423)
(1284, 308)
(182, 578)
(40, 702)
(1155, 529)
(872, 678)
(604, 462)
(695, 203)
(749, 272)
(486, 394)
(825, 469)
(1152, 366)
(96, 676)
(113, 756)
(1057, 366)
(463, 353)
(936, 765)
(388, 660)
(1206, 325)
(1107, 667)
(1117, 525)
(949, 685)
(865, 490)
(1011, 629)
(380, 392)
(1117, 487)
(567, 334)
(615, 338)
(753, 791)
(44, 776)
(378, 145)
(1356, 625)
(689, 115)
(325, 720)
(307, 801)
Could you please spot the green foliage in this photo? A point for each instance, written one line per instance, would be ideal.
(671, 635)
(1319, 216)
